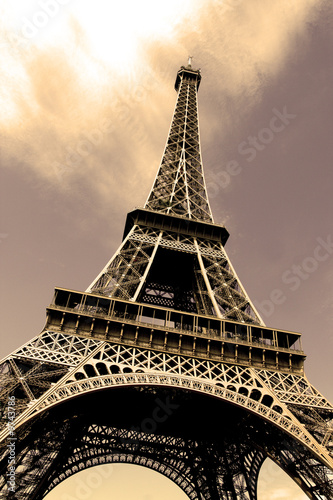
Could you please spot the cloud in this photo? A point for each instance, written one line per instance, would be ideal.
(247, 44)
(70, 116)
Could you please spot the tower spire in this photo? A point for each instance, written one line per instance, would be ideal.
(179, 187)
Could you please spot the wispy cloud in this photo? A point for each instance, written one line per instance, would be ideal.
(59, 94)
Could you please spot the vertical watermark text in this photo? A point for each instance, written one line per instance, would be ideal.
(11, 445)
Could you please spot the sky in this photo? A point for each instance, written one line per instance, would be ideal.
(86, 95)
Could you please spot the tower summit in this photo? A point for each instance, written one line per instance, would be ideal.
(179, 187)
(164, 361)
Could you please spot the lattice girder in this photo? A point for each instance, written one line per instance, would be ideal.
(216, 287)
(123, 274)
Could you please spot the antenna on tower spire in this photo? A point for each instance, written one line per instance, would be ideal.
(189, 65)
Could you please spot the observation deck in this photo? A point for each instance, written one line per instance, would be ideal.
(187, 334)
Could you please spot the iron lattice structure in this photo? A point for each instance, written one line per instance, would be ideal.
(164, 361)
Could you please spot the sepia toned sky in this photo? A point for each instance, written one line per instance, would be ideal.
(86, 97)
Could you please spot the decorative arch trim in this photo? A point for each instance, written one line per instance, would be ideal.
(79, 387)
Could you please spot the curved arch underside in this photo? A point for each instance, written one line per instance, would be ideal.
(210, 448)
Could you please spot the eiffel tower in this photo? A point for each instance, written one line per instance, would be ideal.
(164, 361)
